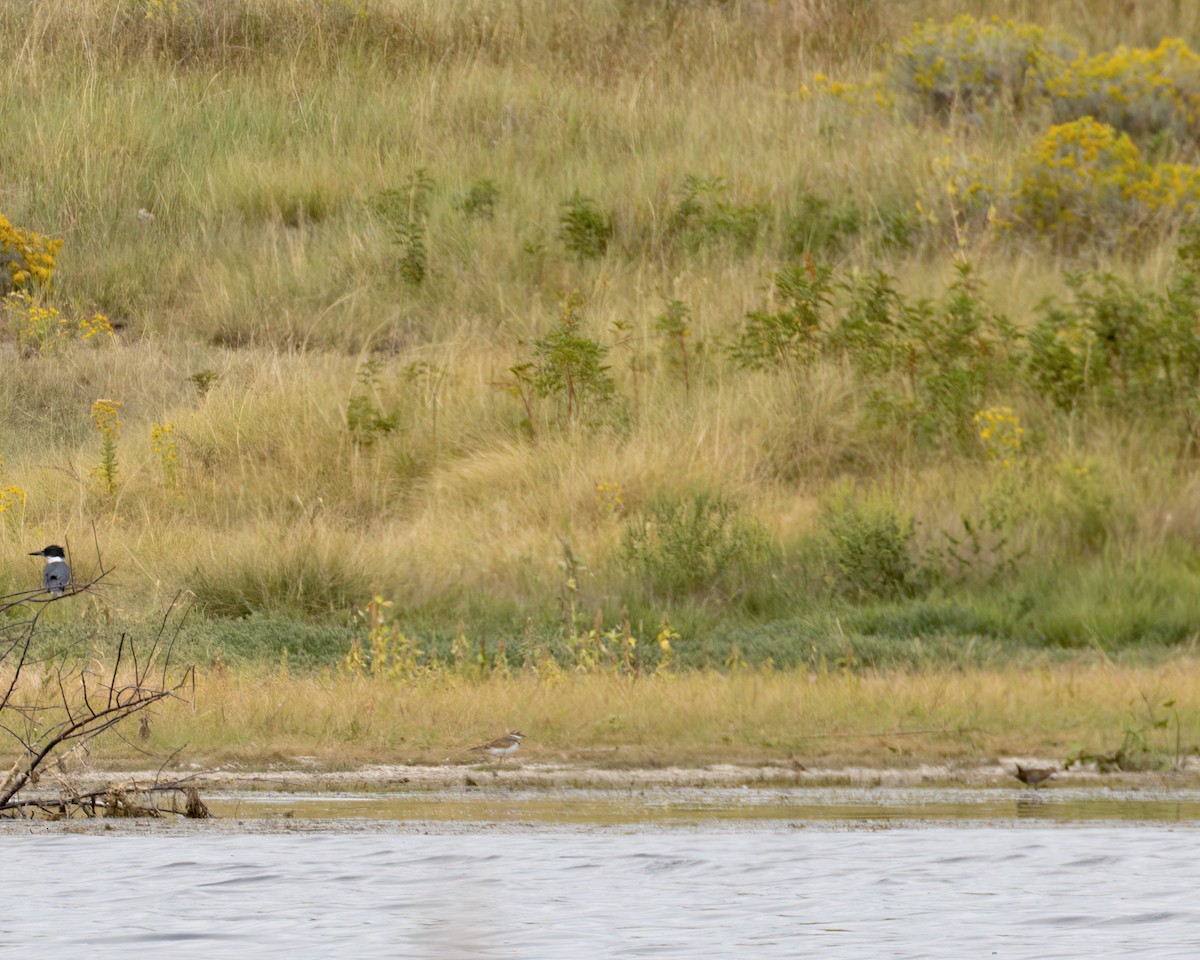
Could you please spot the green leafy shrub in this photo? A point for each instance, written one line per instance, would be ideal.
(584, 228)
(953, 353)
(480, 200)
(792, 332)
(414, 255)
(674, 325)
(1114, 345)
(567, 368)
(405, 211)
(365, 418)
(686, 546)
(869, 547)
(928, 365)
(968, 63)
(870, 331)
(705, 216)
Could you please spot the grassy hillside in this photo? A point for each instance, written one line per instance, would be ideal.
(787, 322)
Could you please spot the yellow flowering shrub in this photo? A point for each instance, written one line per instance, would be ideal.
(870, 94)
(971, 63)
(12, 498)
(107, 420)
(388, 653)
(41, 329)
(609, 498)
(26, 258)
(1000, 434)
(1136, 89)
(162, 442)
(963, 193)
(1167, 188)
(1086, 180)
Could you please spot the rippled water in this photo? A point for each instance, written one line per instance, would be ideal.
(1108, 891)
(665, 873)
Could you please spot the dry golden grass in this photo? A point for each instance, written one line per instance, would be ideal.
(255, 717)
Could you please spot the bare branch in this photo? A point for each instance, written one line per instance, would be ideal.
(59, 710)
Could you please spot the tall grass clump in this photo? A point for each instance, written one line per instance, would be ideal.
(300, 574)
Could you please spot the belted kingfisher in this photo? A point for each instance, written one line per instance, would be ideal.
(56, 574)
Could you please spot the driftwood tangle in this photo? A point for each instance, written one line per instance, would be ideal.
(54, 701)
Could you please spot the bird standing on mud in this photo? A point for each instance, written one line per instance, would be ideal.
(502, 746)
(1034, 776)
(56, 574)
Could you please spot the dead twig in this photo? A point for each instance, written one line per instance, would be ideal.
(51, 704)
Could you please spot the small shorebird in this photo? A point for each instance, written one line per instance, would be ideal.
(1034, 776)
(56, 574)
(502, 746)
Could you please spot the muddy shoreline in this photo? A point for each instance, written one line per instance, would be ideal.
(574, 798)
(307, 777)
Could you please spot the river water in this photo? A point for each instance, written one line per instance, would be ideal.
(878, 877)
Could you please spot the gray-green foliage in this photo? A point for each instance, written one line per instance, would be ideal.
(968, 64)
